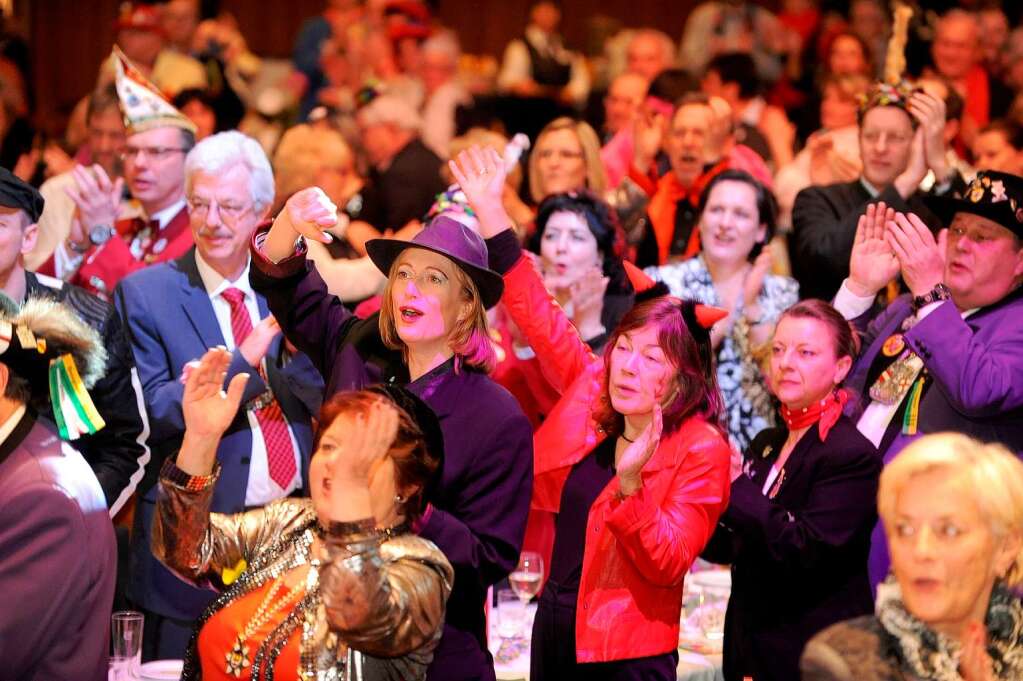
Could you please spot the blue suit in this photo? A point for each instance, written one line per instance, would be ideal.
(170, 321)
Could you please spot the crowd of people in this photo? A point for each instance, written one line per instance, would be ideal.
(297, 359)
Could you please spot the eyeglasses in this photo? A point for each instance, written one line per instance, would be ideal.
(563, 154)
(154, 153)
(228, 211)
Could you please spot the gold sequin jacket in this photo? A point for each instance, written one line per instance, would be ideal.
(374, 604)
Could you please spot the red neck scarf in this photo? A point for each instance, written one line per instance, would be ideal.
(826, 412)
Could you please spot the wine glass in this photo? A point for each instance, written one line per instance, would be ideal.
(528, 574)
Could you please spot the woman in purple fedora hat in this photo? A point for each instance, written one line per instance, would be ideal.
(431, 335)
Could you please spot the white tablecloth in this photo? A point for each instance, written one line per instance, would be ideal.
(691, 666)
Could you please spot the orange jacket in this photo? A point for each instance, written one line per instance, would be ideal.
(638, 549)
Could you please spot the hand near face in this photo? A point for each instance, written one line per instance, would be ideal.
(95, 196)
(207, 409)
(929, 111)
(910, 179)
(921, 257)
(872, 264)
(310, 212)
(754, 283)
(975, 664)
(256, 344)
(480, 173)
(647, 135)
(588, 302)
(367, 443)
(638, 453)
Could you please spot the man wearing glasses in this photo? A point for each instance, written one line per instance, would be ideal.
(100, 249)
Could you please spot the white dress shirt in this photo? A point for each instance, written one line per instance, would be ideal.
(261, 488)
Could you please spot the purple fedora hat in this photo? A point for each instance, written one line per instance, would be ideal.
(453, 240)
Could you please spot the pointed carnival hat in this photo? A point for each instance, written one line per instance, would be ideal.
(894, 89)
(142, 104)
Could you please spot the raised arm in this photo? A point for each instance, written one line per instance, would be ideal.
(562, 354)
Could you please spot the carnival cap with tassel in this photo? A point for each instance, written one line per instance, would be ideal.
(60, 357)
(143, 106)
(894, 89)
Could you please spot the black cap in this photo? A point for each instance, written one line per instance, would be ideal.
(992, 195)
(16, 193)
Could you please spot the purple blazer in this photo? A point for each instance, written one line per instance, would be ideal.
(976, 365)
(482, 502)
(58, 560)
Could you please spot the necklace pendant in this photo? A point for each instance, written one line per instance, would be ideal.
(237, 658)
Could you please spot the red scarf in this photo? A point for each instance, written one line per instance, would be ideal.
(826, 412)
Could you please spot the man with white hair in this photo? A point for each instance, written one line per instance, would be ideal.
(174, 312)
(649, 52)
(405, 175)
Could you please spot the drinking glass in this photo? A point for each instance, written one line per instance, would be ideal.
(525, 580)
(126, 639)
(511, 614)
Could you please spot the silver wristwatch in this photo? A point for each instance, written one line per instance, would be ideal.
(100, 234)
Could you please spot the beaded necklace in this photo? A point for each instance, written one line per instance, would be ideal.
(237, 658)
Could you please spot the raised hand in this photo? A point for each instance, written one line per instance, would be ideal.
(480, 173)
(921, 257)
(367, 443)
(647, 135)
(96, 198)
(754, 282)
(930, 112)
(208, 410)
(873, 264)
(310, 212)
(916, 170)
(638, 453)
(587, 294)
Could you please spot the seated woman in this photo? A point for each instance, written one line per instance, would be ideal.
(797, 529)
(333, 584)
(631, 459)
(953, 511)
(737, 217)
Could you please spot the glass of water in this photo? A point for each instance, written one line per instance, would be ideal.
(126, 640)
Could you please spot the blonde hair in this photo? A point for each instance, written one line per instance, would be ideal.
(470, 337)
(992, 473)
(596, 176)
(303, 151)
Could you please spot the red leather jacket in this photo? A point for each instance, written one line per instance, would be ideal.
(638, 549)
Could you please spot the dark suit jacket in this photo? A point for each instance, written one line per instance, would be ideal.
(170, 322)
(799, 561)
(823, 228)
(118, 452)
(405, 191)
(481, 505)
(57, 560)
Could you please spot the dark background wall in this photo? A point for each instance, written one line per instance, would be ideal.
(69, 38)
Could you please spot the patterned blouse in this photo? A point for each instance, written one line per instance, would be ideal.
(749, 408)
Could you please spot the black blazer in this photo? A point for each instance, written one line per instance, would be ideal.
(799, 560)
(824, 226)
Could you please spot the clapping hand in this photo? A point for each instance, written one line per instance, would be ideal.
(256, 344)
(208, 410)
(481, 175)
(647, 135)
(974, 663)
(754, 282)
(638, 453)
(96, 198)
(587, 294)
(921, 257)
(873, 264)
(367, 443)
(930, 112)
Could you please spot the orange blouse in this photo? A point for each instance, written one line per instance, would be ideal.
(218, 636)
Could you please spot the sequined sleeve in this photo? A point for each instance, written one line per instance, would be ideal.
(385, 599)
(199, 545)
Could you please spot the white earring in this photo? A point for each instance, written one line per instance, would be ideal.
(399, 499)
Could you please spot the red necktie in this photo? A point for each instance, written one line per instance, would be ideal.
(280, 455)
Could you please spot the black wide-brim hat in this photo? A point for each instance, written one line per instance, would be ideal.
(992, 195)
(454, 241)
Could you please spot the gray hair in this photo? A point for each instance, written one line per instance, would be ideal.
(444, 43)
(391, 109)
(225, 149)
